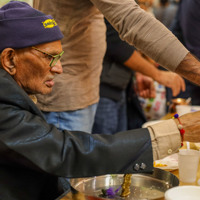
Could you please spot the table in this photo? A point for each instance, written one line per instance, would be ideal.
(70, 196)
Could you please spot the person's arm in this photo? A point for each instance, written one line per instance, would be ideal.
(169, 79)
(143, 31)
(27, 140)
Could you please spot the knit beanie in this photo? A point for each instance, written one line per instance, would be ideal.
(23, 26)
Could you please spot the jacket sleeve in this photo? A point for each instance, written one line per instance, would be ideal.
(142, 30)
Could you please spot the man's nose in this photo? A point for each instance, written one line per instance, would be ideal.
(57, 68)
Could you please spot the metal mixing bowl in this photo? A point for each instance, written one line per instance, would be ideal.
(143, 186)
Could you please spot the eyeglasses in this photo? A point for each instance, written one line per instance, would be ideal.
(54, 58)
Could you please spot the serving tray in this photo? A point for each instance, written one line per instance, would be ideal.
(143, 186)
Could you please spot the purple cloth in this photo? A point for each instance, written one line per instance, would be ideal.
(23, 26)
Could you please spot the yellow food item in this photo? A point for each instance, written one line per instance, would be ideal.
(159, 164)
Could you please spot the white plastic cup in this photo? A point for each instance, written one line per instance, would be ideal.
(188, 162)
(183, 193)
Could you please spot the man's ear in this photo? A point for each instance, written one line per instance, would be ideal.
(7, 63)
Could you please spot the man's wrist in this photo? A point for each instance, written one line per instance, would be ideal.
(189, 68)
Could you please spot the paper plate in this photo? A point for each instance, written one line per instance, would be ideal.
(168, 163)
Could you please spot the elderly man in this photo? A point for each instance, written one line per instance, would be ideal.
(33, 154)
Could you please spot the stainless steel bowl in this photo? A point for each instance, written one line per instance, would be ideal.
(143, 186)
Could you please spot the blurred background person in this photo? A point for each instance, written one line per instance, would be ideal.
(187, 29)
(165, 11)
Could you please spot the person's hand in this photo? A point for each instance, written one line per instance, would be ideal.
(171, 80)
(191, 125)
(145, 86)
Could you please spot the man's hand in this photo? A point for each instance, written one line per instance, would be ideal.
(145, 86)
(171, 80)
(191, 125)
